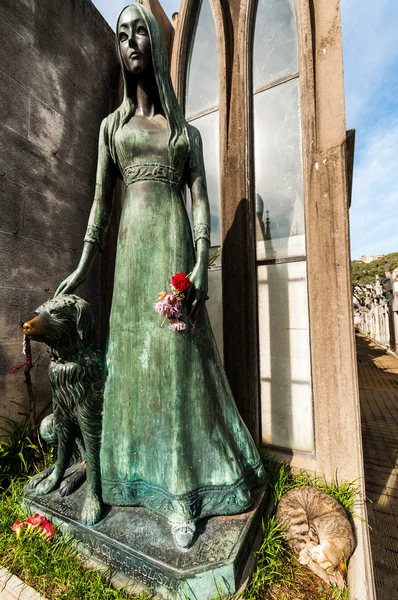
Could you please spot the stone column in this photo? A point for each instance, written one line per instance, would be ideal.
(335, 386)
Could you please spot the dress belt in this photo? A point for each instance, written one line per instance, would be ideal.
(151, 172)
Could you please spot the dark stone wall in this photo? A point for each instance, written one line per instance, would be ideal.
(58, 80)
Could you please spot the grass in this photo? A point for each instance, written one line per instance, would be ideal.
(282, 479)
(56, 571)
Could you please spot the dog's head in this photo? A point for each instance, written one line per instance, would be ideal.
(66, 324)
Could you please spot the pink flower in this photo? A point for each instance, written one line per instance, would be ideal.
(173, 300)
(17, 527)
(35, 521)
(169, 304)
(169, 307)
(47, 529)
(176, 325)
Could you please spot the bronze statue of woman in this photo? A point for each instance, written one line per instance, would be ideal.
(172, 440)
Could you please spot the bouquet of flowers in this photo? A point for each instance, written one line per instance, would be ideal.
(170, 303)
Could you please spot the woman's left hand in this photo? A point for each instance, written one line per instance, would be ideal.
(197, 293)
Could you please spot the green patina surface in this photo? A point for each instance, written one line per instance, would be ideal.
(170, 424)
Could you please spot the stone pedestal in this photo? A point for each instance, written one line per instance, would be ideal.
(135, 543)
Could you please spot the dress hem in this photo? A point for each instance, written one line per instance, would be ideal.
(190, 507)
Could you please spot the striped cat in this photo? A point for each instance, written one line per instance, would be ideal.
(316, 527)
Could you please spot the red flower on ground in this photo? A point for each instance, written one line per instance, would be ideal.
(17, 527)
(35, 521)
(47, 529)
(180, 282)
(39, 523)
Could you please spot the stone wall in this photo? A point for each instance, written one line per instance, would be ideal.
(58, 80)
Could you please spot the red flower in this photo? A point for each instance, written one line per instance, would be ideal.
(39, 523)
(35, 521)
(47, 529)
(17, 527)
(180, 282)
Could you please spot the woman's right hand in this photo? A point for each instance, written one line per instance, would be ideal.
(71, 283)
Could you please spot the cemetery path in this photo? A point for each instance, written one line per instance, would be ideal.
(378, 391)
(12, 588)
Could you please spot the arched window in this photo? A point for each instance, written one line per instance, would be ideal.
(285, 373)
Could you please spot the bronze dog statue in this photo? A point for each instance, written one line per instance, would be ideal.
(76, 473)
(66, 324)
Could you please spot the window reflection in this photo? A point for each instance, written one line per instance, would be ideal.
(208, 126)
(203, 82)
(285, 367)
(279, 171)
(275, 42)
(285, 373)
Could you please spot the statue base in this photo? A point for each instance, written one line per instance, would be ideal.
(137, 546)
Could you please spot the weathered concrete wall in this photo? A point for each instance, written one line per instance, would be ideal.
(58, 79)
(338, 436)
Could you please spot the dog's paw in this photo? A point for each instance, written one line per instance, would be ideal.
(92, 510)
(36, 479)
(47, 485)
(67, 487)
(74, 481)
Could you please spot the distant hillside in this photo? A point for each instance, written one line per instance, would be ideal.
(364, 273)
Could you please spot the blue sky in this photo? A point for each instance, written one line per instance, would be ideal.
(370, 52)
(370, 44)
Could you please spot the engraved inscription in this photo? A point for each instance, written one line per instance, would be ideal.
(130, 565)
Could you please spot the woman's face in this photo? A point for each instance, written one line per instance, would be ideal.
(134, 42)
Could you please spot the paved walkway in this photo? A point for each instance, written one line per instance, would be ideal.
(12, 588)
(378, 390)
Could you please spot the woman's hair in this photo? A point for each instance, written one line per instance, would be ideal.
(172, 110)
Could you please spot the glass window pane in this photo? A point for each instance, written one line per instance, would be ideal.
(202, 77)
(275, 42)
(208, 126)
(279, 172)
(285, 371)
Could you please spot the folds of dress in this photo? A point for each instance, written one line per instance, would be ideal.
(173, 440)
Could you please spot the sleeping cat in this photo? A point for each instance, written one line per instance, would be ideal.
(316, 527)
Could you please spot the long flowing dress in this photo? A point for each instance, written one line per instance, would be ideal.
(173, 440)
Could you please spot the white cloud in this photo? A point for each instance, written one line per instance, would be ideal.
(371, 88)
(370, 55)
(373, 215)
